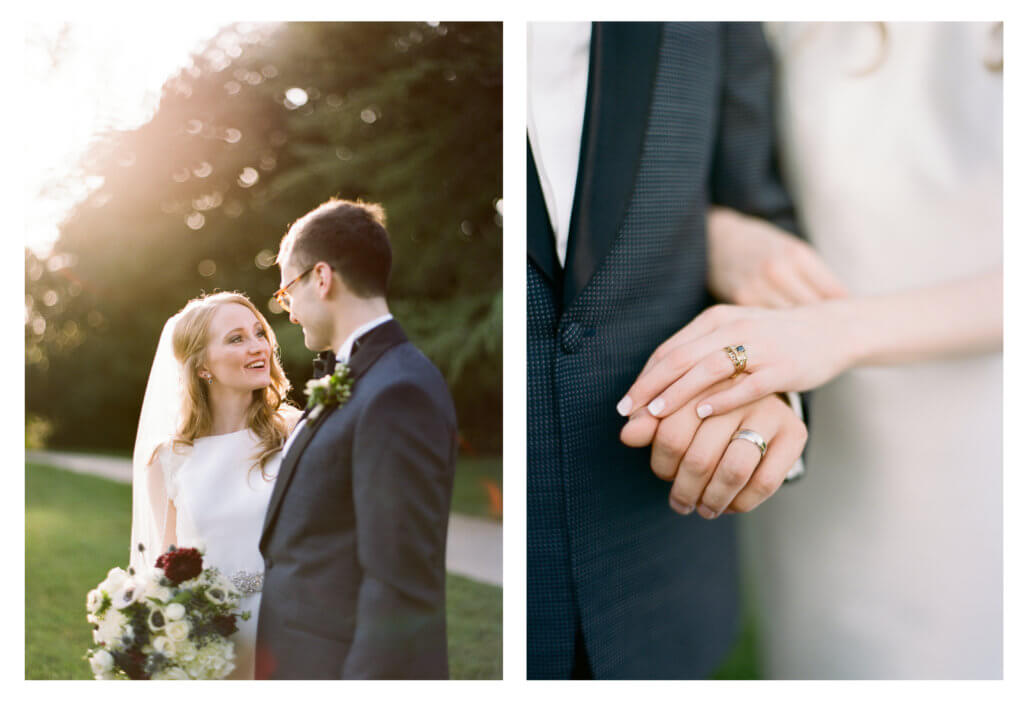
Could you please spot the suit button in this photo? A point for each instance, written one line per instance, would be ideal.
(571, 337)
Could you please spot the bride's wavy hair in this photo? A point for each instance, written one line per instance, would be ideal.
(190, 341)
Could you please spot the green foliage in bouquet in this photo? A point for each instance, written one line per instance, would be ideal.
(171, 622)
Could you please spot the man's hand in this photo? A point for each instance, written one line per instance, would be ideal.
(709, 471)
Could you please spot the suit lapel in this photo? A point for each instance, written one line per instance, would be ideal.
(284, 474)
(369, 348)
(540, 239)
(623, 60)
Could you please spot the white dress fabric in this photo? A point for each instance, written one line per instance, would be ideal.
(885, 561)
(221, 501)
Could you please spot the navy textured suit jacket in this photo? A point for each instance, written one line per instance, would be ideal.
(678, 116)
(355, 533)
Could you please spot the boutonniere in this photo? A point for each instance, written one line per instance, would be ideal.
(329, 390)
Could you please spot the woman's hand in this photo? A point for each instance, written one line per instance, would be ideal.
(787, 350)
(754, 263)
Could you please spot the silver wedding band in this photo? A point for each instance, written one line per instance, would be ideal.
(752, 436)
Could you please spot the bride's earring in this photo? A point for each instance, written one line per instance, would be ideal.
(208, 378)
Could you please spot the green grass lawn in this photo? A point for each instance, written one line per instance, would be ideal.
(742, 662)
(470, 494)
(77, 528)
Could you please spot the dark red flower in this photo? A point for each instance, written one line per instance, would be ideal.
(181, 564)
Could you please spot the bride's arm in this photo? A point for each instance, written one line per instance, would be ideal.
(752, 262)
(801, 348)
(170, 532)
(163, 509)
(965, 316)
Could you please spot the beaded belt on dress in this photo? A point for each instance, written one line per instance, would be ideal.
(247, 582)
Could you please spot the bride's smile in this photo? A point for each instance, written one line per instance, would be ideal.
(238, 357)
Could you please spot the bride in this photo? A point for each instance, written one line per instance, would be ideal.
(886, 560)
(213, 423)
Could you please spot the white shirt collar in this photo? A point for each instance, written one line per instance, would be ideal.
(345, 352)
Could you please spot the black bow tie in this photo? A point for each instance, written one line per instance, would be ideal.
(323, 364)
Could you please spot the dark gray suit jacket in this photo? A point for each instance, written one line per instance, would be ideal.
(678, 116)
(354, 537)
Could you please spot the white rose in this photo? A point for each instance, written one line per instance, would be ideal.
(171, 673)
(164, 645)
(174, 612)
(177, 630)
(115, 579)
(102, 663)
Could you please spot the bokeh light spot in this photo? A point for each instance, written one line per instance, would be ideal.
(265, 259)
(203, 170)
(195, 221)
(368, 115)
(295, 97)
(232, 136)
(248, 177)
(207, 268)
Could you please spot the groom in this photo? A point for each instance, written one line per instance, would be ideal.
(634, 130)
(354, 537)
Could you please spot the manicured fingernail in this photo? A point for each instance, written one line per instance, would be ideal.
(706, 512)
(656, 406)
(704, 411)
(624, 406)
(679, 507)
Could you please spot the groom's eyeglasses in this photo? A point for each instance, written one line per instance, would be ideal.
(283, 298)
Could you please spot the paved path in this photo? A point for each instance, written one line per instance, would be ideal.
(474, 544)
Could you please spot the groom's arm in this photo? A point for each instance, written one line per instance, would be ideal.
(745, 170)
(402, 480)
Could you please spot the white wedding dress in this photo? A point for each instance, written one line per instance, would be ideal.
(221, 504)
(885, 561)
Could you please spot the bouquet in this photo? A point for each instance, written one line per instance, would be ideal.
(171, 622)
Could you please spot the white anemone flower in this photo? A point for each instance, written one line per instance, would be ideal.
(130, 592)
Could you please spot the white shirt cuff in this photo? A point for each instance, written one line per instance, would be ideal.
(798, 408)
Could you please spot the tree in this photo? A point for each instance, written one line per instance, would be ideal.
(263, 124)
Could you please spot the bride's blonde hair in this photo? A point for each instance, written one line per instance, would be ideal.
(190, 340)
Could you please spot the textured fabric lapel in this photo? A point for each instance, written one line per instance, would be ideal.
(372, 346)
(369, 348)
(623, 60)
(540, 239)
(284, 474)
